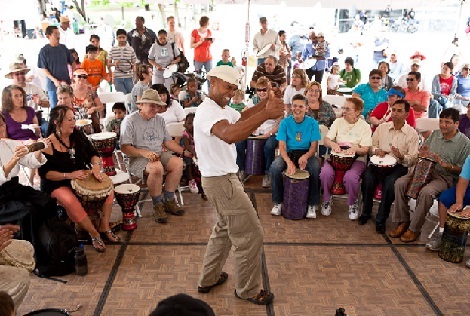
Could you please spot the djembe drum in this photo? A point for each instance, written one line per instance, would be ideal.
(422, 175)
(454, 237)
(19, 253)
(92, 194)
(341, 163)
(296, 188)
(105, 143)
(84, 125)
(127, 196)
(382, 166)
(254, 162)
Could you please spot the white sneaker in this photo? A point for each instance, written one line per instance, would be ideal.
(276, 211)
(312, 211)
(326, 208)
(193, 186)
(353, 211)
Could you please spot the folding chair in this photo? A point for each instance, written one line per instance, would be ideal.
(176, 131)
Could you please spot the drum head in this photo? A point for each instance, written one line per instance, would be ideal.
(48, 312)
(344, 90)
(457, 215)
(386, 161)
(126, 189)
(83, 122)
(18, 253)
(341, 154)
(169, 71)
(90, 183)
(264, 50)
(120, 177)
(299, 175)
(103, 136)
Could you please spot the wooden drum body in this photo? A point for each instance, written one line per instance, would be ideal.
(105, 143)
(127, 196)
(454, 238)
(296, 188)
(254, 162)
(340, 163)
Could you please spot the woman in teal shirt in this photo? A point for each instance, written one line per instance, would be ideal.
(370, 92)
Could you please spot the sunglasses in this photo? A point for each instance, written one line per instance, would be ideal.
(262, 90)
(409, 79)
(81, 76)
(21, 73)
(375, 78)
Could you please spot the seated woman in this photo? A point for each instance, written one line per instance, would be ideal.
(173, 111)
(383, 112)
(299, 82)
(444, 88)
(144, 73)
(69, 155)
(19, 116)
(86, 99)
(371, 93)
(354, 133)
(386, 81)
(462, 96)
(267, 130)
(298, 138)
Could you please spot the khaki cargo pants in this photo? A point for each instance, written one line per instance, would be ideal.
(237, 225)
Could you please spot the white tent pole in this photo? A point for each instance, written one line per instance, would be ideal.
(247, 42)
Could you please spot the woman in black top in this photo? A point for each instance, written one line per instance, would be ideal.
(69, 155)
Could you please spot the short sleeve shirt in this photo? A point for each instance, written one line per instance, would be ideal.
(465, 173)
(298, 136)
(370, 98)
(55, 59)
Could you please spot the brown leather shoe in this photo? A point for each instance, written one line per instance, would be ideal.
(400, 230)
(409, 236)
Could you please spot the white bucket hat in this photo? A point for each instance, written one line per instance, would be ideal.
(227, 73)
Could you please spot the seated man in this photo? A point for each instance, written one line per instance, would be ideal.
(13, 280)
(448, 148)
(417, 97)
(415, 65)
(454, 200)
(298, 138)
(271, 70)
(398, 139)
(142, 135)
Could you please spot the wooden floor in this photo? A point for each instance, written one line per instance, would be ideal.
(312, 266)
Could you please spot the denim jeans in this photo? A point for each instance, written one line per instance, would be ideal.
(313, 168)
(52, 98)
(269, 152)
(207, 67)
(437, 105)
(123, 85)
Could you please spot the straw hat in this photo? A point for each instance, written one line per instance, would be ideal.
(227, 73)
(16, 67)
(151, 96)
(64, 19)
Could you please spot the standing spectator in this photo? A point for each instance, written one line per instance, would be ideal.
(161, 55)
(67, 36)
(263, 38)
(444, 87)
(396, 68)
(316, 49)
(95, 69)
(123, 58)
(53, 60)
(201, 41)
(102, 54)
(350, 75)
(173, 35)
(284, 55)
(141, 39)
(297, 44)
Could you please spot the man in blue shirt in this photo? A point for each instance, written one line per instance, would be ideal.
(319, 50)
(454, 200)
(298, 137)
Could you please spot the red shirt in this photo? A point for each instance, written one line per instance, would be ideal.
(446, 84)
(202, 53)
(382, 108)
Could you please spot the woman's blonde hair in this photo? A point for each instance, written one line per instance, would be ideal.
(65, 88)
(303, 76)
(312, 84)
(262, 81)
(239, 93)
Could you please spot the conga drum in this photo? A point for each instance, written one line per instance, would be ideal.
(454, 237)
(84, 125)
(92, 194)
(105, 143)
(382, 166)
(127, 196)
(20, 254)
(296, 188)
(254, 162)
(422, 175)
(341, 163)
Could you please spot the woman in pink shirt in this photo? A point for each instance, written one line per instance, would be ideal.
(444, 88)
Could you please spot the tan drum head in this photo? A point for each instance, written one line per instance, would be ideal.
(457, 215)
(103, 136)
(90, 183)
(299, 175)
(263, 50)
(386, 161)
(82, 122)
(126, 189)
(19, 253)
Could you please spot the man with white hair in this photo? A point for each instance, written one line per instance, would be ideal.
(216, 129)
(415, 66)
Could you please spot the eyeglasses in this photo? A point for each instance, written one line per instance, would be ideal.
(81, 76)
(20, 73)
(314, 91)
(409, 79)
(262, 90)
(465, 68)
(375, 78)
(348, 109)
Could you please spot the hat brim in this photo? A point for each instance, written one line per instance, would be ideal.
(151, 101)
(10, 74)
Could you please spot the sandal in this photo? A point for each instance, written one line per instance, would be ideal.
(262, 298)
(206, 289)
(98, 244)
(109, 236)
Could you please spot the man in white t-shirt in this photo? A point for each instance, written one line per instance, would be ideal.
(263, 38)
(216, 129)
(67, 36)
(173, 35)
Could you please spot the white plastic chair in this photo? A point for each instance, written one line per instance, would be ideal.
(337, 100)
(176, 130)
(425, 124)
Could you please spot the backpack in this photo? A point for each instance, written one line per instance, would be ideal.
(183, 65)
(57, 244)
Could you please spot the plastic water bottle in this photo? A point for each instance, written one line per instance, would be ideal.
(81, 263)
